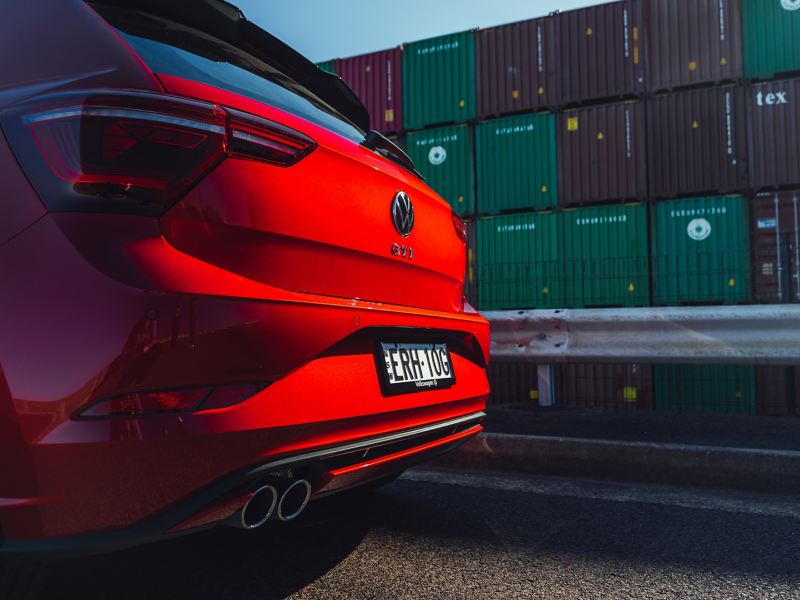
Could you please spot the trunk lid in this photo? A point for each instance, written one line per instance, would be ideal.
(323, 226)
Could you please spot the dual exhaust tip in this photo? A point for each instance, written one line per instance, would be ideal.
(267, 501)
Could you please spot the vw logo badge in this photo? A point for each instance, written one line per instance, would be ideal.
(790, 5)
(402, 214)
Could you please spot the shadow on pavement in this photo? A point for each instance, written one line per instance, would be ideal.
(271, 562)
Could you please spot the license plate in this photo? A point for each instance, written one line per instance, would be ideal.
(408, 368)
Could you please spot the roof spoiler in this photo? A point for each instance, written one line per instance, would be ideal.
(226, 22)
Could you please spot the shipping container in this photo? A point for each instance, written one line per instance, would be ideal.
(778, 391)
(771, 37)
(439, 81)
(513, 383)
(601, 154)
(518, 262)
(706, 388)
(697, 142)
(329, 66)
(444, 157)
(701, 251)
(601, 52)
(604, 250)
(692, 42)
(517, 66)
(776, 247)
(774, 134)
(516, 161)
(604, 386)
(377, 80)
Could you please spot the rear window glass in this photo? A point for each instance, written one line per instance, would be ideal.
(226, 67)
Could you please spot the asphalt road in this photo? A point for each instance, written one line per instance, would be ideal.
(452, 535)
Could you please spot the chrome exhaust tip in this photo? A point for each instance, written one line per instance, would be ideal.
(294, 500)
(259, 508)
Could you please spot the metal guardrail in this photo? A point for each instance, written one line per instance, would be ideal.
(750, 335)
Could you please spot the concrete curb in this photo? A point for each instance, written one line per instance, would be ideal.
(773, 471)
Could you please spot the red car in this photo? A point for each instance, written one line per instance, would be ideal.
(222, 295)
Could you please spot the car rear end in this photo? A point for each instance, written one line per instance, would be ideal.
(217, 284)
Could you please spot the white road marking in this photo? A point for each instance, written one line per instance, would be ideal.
(718, 500)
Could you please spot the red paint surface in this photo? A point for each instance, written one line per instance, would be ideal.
(264, 274)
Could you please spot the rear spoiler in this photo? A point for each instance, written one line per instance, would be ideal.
(226, 22)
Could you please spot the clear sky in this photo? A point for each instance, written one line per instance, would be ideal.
(325, 29)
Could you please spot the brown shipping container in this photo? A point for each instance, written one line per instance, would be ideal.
(516, 67)
(377, 80)
(601, 154)
(774, 135)
(776, 247)
(604, 386)
(692, 42)
(696, 142)
(601, 52)
(513, 383)
(777, 391)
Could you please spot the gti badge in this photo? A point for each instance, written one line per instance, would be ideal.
(402, 214)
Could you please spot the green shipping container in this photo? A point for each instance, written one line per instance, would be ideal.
(701, 251)
(605, 255)
(517, 262)
(439, 80)
(771, 37)
(516, 159)
(706, 388)
(445, 158)
(328, 66)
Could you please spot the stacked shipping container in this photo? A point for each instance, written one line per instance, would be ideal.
(376, 79)
(697, 142)
(654, 103)
(604, 386)
(771, 37)
(518, 262)
(516, 68)
(604, 253)
(776, 247)
(774, 134)
(692, 42)
(516, 159)
(600, 52)
(445, 158)
(601, 154)
(701, 251)
(439, 80)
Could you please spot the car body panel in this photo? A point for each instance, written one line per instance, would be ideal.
(282, 278)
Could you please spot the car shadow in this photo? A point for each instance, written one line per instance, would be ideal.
(271, 562)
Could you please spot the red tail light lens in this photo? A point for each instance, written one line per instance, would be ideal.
(147, 403)
(460, 227)
(136, 152)
(141, 404)
(259, 139)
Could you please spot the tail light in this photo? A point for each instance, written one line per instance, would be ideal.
(139, 404)
(460, 227)
(136, 152)
(259, 139)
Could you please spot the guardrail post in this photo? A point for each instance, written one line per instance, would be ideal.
(547, 392)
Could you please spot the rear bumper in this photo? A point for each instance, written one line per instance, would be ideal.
(323, 464)
(81, 324)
